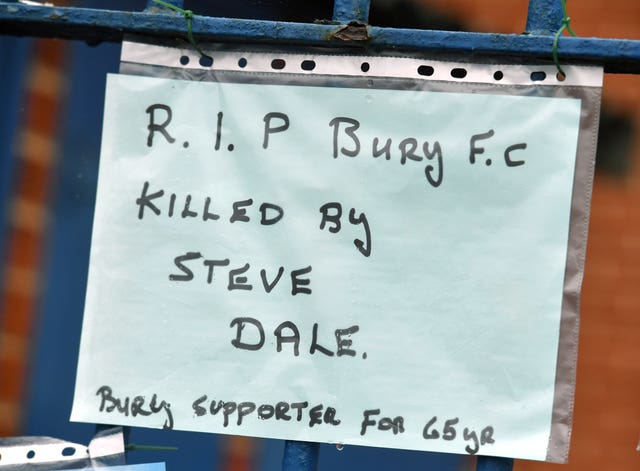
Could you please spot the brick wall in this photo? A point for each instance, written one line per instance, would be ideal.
(607, 410)
(27, 225)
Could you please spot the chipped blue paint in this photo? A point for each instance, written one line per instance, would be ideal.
(300, 456)
(345, 11)
(544, 17)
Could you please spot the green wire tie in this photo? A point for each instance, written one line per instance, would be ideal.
(188, 14)
(565, 25)
(133, 447)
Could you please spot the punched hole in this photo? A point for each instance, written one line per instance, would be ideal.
(498, 75)
(278, 64)
(365, 67)
(31, 454)
(242, 62)
(308, 65)
(426, 70)
(69, 451)
(538, 76)
(206, 61)
(561, 77)
(184, 60)
(459, 73)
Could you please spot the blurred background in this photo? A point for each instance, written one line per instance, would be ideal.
(51, 102)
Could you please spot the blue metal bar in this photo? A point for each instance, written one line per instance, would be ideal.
(14, 55)
(490, 463)
(616, 55)
(345, 11)
(300, 456)
(544, 17)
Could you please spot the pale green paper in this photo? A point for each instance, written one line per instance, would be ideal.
(132, 467)
(458, 306)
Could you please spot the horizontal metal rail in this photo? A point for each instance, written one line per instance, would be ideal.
(616, 55)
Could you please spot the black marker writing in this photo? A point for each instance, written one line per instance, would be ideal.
(363, 247)
(395, 425)
(507, 155)
(240, 323)
(449, 433)
(350, 131)
(154, 127)
(269, 129)
(293, 337)
(133, 406)
(218, 130)
(475, 150)
(145, 201)
(187, 274)
(331, 219)
(250, 335)
(283, 410)
(428, 170)
(345, 141)
(152, 202)
(237, 275)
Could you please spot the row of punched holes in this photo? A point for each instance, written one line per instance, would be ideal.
(424, 70)
(68, 451)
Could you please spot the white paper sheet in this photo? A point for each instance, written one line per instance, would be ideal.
(432, 309)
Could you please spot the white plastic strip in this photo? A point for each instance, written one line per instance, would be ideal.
(29, 452)
(234, 59)
(107, 444)
(42, 453)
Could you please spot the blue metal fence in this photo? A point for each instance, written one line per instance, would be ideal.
(348, 28)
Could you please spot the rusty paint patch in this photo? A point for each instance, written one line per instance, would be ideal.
(354, 31)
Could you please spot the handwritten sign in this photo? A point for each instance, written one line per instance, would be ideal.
(363, 266)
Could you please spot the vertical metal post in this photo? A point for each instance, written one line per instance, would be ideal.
(300, 456)
(345, 11)
(303, 456)
(544, 17)
(491, 463)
